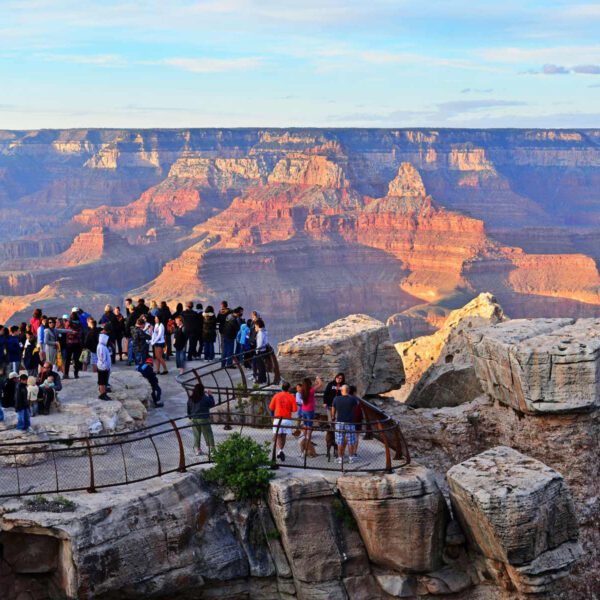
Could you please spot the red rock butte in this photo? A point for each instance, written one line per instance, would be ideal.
(307, 225)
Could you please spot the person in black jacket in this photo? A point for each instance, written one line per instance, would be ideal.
(22, 405)
(229, 332)
(198, 409)
(192, 325)
(209, 333)
(332, 390)
(164, 315)
(180, 340)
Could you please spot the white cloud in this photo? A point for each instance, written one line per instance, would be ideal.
(211, 65)
(546, 55)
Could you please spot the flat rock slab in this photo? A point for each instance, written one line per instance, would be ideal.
(517, 512)
(540, 366)
(358, 346)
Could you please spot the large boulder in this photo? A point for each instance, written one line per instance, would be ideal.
(324, 554)
(402, 517)
(519, 515)
(438, 366)
(539, 366)
(358, 346)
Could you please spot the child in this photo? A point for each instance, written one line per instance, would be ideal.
(31, 355)
(147, 371)
(32, 395)
(22, 405)
(47, 394)
(299, 399)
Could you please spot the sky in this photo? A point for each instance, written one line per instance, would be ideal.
(277, 63)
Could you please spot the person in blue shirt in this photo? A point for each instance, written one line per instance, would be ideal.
(13, 349)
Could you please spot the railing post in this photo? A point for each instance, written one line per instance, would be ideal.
(274, 464)
(181, 468)
(388, 456)
(92, 488)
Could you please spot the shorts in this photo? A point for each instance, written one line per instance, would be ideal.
(345, 433)
(103, 377)
(285, 428)
(308, 416)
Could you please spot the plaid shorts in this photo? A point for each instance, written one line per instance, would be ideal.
(345, 433)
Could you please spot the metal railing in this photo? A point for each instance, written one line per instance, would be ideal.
(101, 461)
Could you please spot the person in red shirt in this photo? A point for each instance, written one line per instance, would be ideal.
(282, 405)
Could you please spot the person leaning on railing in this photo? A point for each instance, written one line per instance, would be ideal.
(198, 409)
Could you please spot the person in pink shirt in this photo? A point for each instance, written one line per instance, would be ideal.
(308, 404)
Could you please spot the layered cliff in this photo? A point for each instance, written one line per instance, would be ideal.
(327, 221)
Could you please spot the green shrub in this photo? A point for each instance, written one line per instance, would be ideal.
(242, 467)
(344, 514)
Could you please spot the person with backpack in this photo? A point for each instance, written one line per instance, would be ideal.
(198, 409)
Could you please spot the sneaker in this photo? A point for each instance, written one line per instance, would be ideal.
(281, 456)
(159, 404)
(352, 459)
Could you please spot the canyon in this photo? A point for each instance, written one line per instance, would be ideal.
(306, 225)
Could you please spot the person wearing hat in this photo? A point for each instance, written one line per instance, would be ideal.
(147, 371)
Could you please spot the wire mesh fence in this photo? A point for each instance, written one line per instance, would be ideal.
(29, 468)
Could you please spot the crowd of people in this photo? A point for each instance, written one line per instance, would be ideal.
(35, 357)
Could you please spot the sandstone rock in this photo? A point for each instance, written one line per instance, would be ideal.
(447, 581)
(398, 586)
(424, 355)
(402, 517)
(517, 511)
(321, 551)
(540, 366)
(357, 345)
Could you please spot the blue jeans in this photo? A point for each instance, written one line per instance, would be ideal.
(1, 413)
(180, 358)
(23, 420)
(129, 350)
(209, 350)
(226, 359)
(140, 357)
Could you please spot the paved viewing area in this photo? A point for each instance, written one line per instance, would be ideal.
(163, 442)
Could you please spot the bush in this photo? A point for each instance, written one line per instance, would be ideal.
(242, 467)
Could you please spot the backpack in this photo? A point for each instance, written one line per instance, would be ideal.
(171, 326)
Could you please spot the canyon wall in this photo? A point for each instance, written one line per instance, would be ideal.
(327, 222)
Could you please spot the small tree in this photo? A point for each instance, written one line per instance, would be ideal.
(242, 467)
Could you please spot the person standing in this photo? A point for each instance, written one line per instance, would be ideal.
(262, 341)
(164, 314)
(13, 349)
(345, 429)
(120, 331)
(229, 333)
(157, 341)
(308, 391)
(209, 333)
(283, 405)
(50, 342)
(41, 336)
(35, 320)
(180, 341)
(139, 342)
(191, 322)
(332, 390)
(104, 365)
(221, 317)
(198, 409)
(22, 405)
(74, 341)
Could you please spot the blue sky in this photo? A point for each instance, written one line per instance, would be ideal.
(327, 63)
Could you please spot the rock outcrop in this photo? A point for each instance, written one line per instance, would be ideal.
(402, 518)
(439, 366)
(540, 366)
(519, 515)
(358, 346)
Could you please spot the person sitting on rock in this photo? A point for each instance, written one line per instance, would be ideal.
(283, 405)
(46, 395)
(48, 372)
(147, 371)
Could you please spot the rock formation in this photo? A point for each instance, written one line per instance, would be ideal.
(540, 365)
(358, 346)
(518, 513)
(439, 366)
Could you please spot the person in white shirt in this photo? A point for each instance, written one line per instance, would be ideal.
(104, 364)
(158, 343)
(262, 343)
